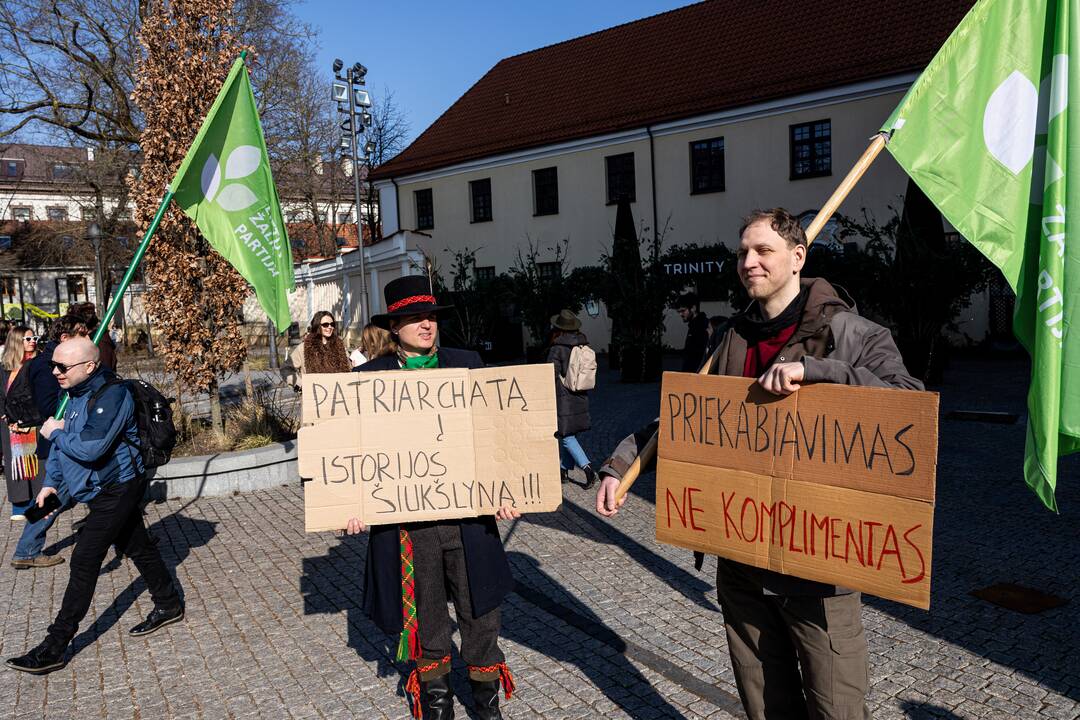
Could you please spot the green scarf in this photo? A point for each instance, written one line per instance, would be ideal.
(421, 362)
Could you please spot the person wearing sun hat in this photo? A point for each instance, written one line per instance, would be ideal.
(412, 568)
(572, 406)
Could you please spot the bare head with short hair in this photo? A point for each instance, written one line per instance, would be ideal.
(781, 221)
(74, 361)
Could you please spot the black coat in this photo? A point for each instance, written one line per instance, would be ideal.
(572, 407)
(485, 560)
(46, 390)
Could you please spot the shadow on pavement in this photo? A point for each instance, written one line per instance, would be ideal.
(333, 582)
(176, 535)
(602, 646)
(570, 516)
(990, 528)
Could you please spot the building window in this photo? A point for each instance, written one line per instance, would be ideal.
(546, 191)
(549, 270)
(22, 214)
(707, 166)
(76, 288)
(123, 241)
(344, 218)
(425, 209)
(5, 242)
(620, 177)
(55, 213)
(480, 192)
(295, 216)
(10, 297)
(811, 149)
(484, 274)
(68, 241)
(62, 171)
(13, 168)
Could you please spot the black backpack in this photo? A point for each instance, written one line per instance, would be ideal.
(153, 417)
(19, 405)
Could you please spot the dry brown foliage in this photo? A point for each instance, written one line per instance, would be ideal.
(194, 295)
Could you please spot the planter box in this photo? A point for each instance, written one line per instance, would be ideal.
(225, 473)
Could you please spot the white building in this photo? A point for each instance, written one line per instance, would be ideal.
(698, 115)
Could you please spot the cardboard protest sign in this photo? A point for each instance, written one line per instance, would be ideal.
(832, 483)
(408, 446)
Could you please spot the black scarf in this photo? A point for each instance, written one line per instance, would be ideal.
(754, 328)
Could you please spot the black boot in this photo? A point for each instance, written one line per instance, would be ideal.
(590, 476)
(44, 659)
(564, 476)
(486, 699)
(437, 699)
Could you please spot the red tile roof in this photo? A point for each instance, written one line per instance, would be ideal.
(698, 59)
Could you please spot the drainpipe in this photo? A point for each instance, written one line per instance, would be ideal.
(397, 203)
(652, 184)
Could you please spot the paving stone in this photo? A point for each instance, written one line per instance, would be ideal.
(275, 628)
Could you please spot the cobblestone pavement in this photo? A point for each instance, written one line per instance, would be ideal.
(605, 623)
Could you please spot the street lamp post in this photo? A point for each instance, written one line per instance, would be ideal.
(93, 234)
(349, 87)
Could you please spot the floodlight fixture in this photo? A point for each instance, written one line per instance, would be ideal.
(365, 117)
(362, 98)
(340, 92)
(358, 73)
(338, 65)
(346, 142)
(369, 147)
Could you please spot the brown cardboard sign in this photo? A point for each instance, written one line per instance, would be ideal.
(407, 446)
(832, 483)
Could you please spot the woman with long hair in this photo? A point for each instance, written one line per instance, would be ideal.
(322, 351)
(374, 342)
(19, 444)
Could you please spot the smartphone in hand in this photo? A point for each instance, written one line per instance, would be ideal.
(35, 513)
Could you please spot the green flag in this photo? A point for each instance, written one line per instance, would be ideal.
(988, 133)
(225, 186)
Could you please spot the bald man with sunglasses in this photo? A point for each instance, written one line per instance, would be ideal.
(95, 460)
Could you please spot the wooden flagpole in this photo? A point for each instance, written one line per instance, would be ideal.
(646, 454)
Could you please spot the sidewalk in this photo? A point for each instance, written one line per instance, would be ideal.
(605, 622)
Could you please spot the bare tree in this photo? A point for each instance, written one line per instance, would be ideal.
(389, 131)
(68, 65)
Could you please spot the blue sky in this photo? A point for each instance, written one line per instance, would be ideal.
(430, 53)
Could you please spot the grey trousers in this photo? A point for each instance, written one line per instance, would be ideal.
(795, 657)
(439, 565)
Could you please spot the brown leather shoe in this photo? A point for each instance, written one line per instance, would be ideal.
(41, 561)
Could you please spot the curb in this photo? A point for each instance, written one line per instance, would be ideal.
(225, 473)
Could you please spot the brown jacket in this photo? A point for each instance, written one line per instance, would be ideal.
(836, 345)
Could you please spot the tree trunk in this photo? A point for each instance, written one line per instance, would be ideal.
(215, 408)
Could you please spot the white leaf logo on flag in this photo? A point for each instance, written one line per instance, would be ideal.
(1009, 122)
(236, 197)
(211, 177)
(242, 161)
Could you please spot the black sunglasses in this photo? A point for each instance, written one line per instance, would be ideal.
(328, 323)
(64, 369)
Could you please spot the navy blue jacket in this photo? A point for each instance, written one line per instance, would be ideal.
(485, 560)
(88, 454)
(46, 390)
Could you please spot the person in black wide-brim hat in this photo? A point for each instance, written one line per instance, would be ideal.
(460, 558)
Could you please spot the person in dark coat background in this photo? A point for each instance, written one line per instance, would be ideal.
(47, 392)
(697, 331)
(87, 314)
(19, 444)
(460, 558)
(573, 407)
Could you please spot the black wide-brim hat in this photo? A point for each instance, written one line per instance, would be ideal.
(409, 295)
